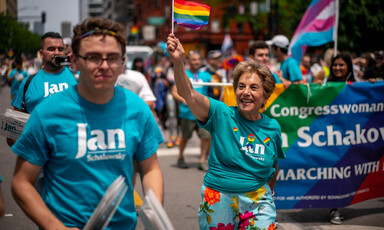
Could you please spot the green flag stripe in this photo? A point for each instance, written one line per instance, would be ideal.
(194, 17)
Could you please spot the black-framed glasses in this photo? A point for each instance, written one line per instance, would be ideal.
(96, 59)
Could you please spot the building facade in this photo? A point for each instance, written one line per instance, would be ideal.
(8, 7)
(90, 8)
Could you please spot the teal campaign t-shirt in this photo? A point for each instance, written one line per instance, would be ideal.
(291, 69)
(243, 153)
(18, 77)
(201, 76)
(42, 86)
(83, 147)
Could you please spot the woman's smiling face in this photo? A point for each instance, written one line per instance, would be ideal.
(250, 95)
(340, 68)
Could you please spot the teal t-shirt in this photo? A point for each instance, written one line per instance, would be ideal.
(18, 77)
(42, 86)
(243, 153)
(201, 76)
(276, 78)
(291, 70)
(83, 147)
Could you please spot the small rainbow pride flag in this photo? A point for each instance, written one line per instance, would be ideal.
(191, 14)
(266, 140)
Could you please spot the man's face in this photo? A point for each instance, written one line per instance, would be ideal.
(194, 62)
(262, 55)
(18, 66)
(306, 62)
(52, 47)
(100, 62)
(215, 62)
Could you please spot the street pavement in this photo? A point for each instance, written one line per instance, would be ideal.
(182, 195)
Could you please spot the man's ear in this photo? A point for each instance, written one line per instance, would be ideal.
(74, 61)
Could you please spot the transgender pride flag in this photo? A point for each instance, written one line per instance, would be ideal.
(316, 28)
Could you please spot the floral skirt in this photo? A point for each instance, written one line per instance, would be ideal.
(226, 211)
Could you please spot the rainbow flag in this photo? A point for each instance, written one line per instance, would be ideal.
(267, 140)
(191, 14)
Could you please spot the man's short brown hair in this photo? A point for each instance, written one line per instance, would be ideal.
(260, 44)
(98, 26)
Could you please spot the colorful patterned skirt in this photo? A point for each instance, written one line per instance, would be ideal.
(231, 211)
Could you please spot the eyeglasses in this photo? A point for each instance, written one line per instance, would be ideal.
(96, 59)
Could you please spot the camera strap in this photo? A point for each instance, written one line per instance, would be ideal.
(23, 105)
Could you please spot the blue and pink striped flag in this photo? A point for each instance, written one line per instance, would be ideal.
(317, 27)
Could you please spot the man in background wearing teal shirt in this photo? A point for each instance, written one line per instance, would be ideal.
(188, 121)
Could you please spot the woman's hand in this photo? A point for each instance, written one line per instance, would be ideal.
(174, 48)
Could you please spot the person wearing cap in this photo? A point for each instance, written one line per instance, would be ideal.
(289, 66)
(213, 68)
(259, 51)
(88, 139)
(67, 46)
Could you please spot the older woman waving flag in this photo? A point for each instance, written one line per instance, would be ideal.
(245, 148)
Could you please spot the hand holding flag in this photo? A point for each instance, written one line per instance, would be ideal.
(174, 48)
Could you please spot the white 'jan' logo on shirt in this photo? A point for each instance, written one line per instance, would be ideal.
(97, 141)
(54, 88)
(251, 147)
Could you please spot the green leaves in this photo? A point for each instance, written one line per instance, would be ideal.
(15, 36)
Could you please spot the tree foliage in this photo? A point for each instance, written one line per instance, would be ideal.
(15, 36)
(361, 25)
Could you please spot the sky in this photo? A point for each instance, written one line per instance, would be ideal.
(56, 12)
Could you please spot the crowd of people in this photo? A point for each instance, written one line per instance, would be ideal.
(180, 92)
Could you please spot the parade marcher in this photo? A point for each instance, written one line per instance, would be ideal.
(4, 71)
(88, 139)
(246, 146)
(136, 82)
(67, 46)
(213, 67)
(341, 71)
(259, 51)
(16, 76)
(289, 66)
(51, 79)
(188, 121)
(305, 67)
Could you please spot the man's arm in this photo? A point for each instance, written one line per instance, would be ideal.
(285, 82)
(28, 198)
(152, 177)
(197, 103)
